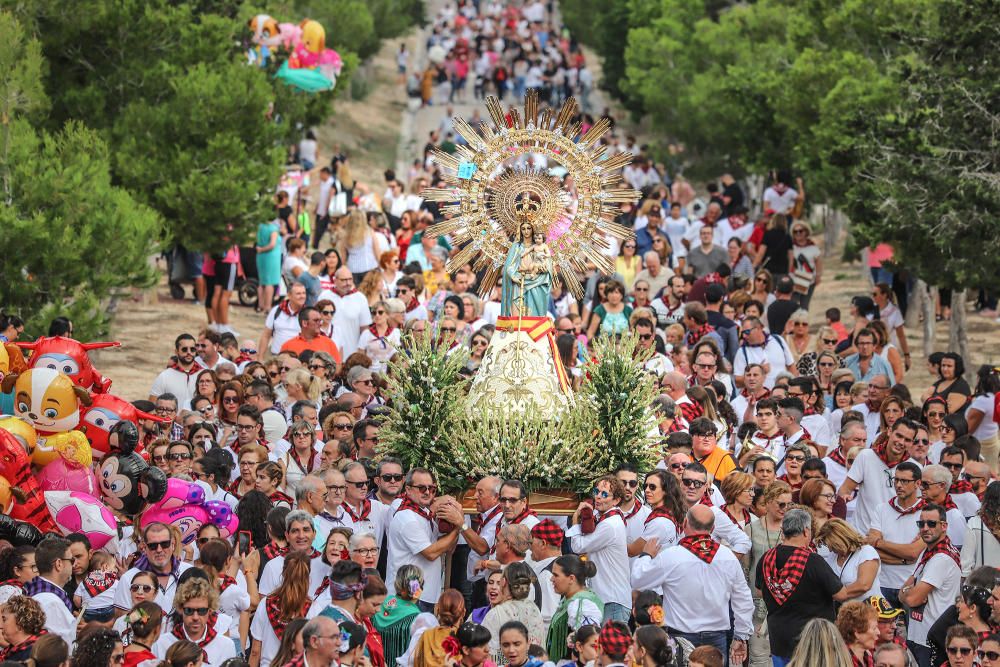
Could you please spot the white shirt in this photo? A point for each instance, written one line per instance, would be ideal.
(636, 522)
(968, 503)
(874, 481)
(550, 599)
(283, 327)
(375, 523)
(58, 618)
(260, 628)
(898, 529)
(944, 575)
(235, 599)
(327, 521)
(979, 548)
(848, 572)
(164, 596)
(488, 532)
(178, 383)
(697, 596)
(774, 352)
(409, 535)
(956, 527)
(218, 650)
(352, 314)
(727, 533)
(819, 430)
(323, 201)
(873, 422)
(779, 203)
(270, 578)
(607, 548)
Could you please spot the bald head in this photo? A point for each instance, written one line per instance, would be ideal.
(700, 520)
(674, 384)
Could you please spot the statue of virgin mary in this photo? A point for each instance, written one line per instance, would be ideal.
(526, 281)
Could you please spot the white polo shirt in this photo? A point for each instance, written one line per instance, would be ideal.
(270, 578)
(607, 548)
(875, 487)
(353, 313)
(410, 534)
(635, 519)
(177, 382)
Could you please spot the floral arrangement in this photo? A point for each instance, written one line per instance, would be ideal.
(609, 423)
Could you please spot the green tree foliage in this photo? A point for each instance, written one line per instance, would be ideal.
(70, 237)
(929, 179)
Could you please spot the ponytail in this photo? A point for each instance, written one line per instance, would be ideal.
(181, 653)
(143, 619)
(573, 565)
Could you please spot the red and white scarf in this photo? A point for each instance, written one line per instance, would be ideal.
(702, 546)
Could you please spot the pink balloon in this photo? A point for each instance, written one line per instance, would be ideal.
(188, 519)
(76, 512)
(222, 517)
(180, 493)
(60, 475)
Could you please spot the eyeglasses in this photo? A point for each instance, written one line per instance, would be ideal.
(191, 611)
(937, 415)
(179, 456)
(161, 458)
(159, 546)
(303, 434)
(705, 367)
(781, 505)
(371, 551)
(204, 540)
(797, 459)
(566, 331)
(678, 466)
(641, 289)
(363, 484)
(693, 483)
(141, 588)
(391, 477)
(285, 369)
(161, 410)
(968, 477)
(828, 496)
(929, 523)
(631, 483)
(902, 480)
(927, 485)
(272, 374)
(597, 493)
(921, 441)
(952, 466)
(367, 381)
(425, 488)
(506, 500)
(327, 312)
(829, 341)
(245, 427)
(343, 427)
(945, 428)
(337, 488)
(248, 350)
(960, 650)
(185, 349)
(988, 655)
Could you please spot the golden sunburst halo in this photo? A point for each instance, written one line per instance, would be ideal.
(490, 177)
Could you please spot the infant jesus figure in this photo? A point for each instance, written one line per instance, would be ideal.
(537, 258)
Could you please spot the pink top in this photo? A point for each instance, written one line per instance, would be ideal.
(880, 253)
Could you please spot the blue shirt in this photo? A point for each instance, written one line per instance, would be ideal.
(878, 366)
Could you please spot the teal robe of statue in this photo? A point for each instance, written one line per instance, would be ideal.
(537, 288)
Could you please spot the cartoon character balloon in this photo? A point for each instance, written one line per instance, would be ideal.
(16, 469)
(266, 37)
(311, 67)
(104, 412)
(69, 356)
(50, 401)
(184, 506)
(70, 471)
(127, 482)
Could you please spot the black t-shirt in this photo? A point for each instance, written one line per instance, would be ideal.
(812, 598)
(778, 244)
(736, 198)
(778, 314)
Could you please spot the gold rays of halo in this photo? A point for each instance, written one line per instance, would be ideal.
(479, 206)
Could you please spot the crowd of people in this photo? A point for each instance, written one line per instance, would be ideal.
(809, 507)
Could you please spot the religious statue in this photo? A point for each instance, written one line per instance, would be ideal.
(518, 226)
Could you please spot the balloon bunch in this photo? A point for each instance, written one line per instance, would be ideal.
(185, 507)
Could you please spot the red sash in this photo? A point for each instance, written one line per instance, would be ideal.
(702, 546)
(782, 583)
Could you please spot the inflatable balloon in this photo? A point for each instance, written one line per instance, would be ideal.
(104, 412)
(180, 493)
(69, 356)
(222, 516)
(16, 469)
(311, 67)
(23, 432)
(126, 481)
(266, 37)
(188, 519)
(50, 401)
(184, 506)
(62, 475)
(11, 361)
(18, 533)
(77, 512)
